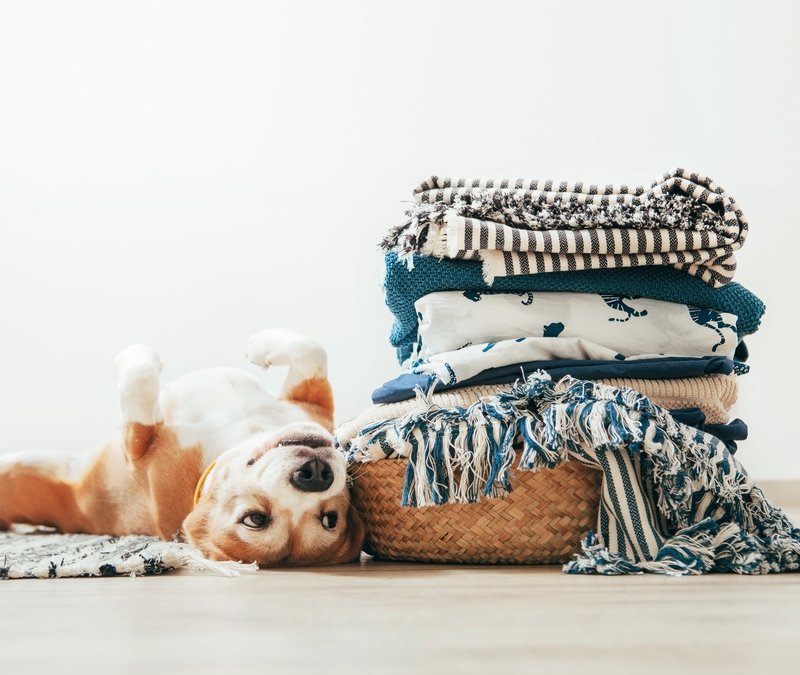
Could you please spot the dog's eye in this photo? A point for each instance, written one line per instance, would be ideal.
(329, 519)
(255, 521)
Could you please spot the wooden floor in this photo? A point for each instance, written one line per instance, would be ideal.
(392, 618)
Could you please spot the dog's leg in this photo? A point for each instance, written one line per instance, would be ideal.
(39, 488)
(136, 371)
(306, 383)
(74, 494)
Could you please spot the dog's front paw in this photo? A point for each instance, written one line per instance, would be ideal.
(282, 347)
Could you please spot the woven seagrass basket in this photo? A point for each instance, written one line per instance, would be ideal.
(541, 522)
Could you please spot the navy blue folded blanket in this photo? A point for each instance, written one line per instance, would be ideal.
(735, 430)
(405, 286)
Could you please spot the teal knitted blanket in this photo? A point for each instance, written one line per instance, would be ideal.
(404, 286)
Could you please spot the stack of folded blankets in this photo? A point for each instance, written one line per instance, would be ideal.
(539, 323)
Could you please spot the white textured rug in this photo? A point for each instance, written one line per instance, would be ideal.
(40, 554)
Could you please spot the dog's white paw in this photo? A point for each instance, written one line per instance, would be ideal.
(136, 372)
(283, 347)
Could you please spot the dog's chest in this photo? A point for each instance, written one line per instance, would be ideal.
(220, 408)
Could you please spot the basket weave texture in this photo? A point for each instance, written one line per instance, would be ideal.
(542, 521)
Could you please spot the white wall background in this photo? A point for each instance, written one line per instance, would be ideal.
(186, 173)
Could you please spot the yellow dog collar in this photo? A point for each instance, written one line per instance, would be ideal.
(202, 481)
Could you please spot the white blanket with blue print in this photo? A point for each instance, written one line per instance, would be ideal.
(464, 333)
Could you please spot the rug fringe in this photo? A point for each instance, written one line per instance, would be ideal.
(194, 560)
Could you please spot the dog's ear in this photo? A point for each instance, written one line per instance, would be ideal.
(195, 531)
(351, 549)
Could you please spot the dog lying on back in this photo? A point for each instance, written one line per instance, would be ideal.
(212, 457)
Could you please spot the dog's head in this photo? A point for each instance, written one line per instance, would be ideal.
(277, 500)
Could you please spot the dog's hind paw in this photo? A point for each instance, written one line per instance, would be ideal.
(282, 347)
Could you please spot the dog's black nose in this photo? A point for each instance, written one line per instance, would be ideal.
(313, 476)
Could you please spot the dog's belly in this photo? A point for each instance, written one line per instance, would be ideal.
(219, 408)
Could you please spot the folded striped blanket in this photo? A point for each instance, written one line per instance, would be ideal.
(674, 500)
(684, 220)
(625, 325)
(404, 286)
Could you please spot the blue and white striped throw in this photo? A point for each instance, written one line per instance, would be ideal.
(674, 500)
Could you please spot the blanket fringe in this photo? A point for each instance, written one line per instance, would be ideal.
(704, 547)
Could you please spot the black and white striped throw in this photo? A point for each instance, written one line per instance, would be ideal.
(684, 220)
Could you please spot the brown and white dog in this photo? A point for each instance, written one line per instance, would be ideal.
(213, 456)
